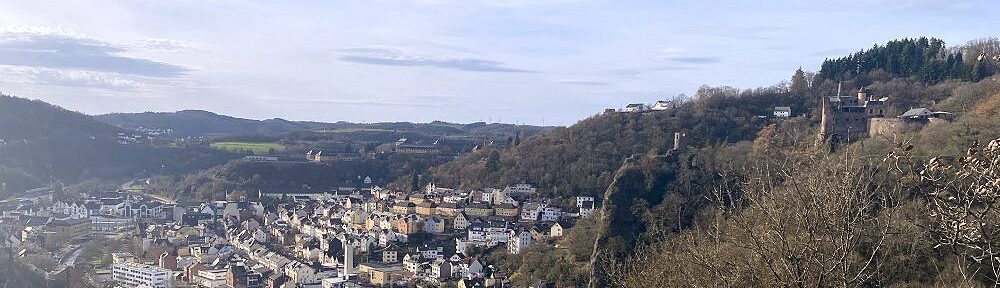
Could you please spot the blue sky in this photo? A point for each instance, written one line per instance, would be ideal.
(547, 62)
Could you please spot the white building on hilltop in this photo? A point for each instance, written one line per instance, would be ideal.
(520, 189)
(635, 107)
(663, 105)
(782, 112)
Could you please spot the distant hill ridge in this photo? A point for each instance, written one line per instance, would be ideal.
(22, 118)
(41, 143)
(186, 123)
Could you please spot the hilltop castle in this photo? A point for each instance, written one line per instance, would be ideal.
(847, 118)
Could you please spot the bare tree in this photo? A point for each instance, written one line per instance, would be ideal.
(963, 206)
(793, 222)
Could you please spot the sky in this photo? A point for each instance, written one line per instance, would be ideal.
(541, 62)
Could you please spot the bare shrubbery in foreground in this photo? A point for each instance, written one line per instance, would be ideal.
(838, 221)
(964, 207)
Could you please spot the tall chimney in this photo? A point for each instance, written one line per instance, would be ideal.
(348, 258)
(839, 85)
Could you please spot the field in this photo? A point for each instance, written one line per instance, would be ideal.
(258, 148)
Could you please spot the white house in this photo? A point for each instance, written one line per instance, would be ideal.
(531, 211)
(635, 107)
(441, 269)
(550, 214)
(213, 278)
(782, 112)
(559, 229)
(73, 210)
(586, 206)
(412, 263)
(464, 244)
(461, 222)
(429, 252)
(490, 232)
(518, 241)
(662, 105)
(471, 268)
(522, 188)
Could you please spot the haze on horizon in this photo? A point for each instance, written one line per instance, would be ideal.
(547, 62)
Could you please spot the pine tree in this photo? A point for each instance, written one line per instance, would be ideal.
(493, 161)
(980, 71)
(800, 85)
(414, 181)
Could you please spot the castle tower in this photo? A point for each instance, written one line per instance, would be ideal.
(824, 115)
(680, 141)
(862, 96)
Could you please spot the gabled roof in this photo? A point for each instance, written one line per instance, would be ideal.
(920, 112)
(565, 224)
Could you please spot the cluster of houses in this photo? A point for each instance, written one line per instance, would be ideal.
(662, 105)
(37, 218)
(129, 138)
(385, 237)
(369, 237)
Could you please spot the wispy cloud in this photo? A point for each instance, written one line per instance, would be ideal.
(171, 45)
(583, 82)
(693, 59)
(365, 102)
(397, 57)
(73, 78)
(38, 48)
(636, 71)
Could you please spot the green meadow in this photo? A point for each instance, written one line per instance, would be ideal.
(258, 148)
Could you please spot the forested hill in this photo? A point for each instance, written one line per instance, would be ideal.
(23, 119)
(41, 144)
(927, 60)
(661, 207)
(580, 159)
(198, 122)
(188, 123)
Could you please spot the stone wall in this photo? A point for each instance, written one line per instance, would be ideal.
(884, 126)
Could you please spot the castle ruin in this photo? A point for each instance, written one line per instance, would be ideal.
(847, 118)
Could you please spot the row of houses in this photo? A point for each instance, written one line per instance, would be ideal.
(662, 105)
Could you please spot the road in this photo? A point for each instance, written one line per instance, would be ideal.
(70, 258)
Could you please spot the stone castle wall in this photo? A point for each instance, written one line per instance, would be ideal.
(884, 126)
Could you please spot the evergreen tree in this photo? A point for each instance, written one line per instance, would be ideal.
(981, 70)
(493, 162)
(800, 85)
(923, 58)
(414, 181)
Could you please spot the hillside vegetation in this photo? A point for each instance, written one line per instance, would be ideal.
(686, 209)
(41, 144)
